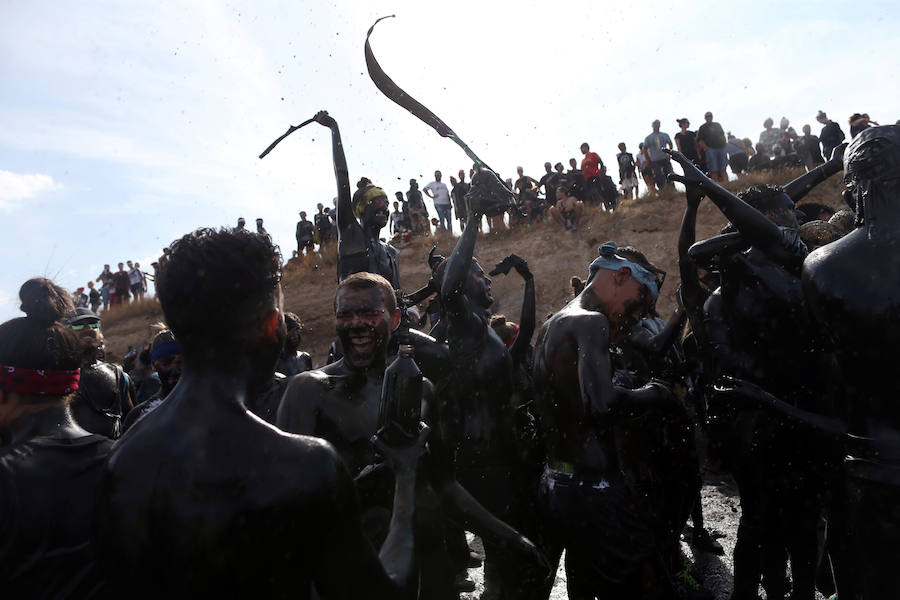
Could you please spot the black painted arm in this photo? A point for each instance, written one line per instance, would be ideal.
(801, 186)
(527, 322)
(345, 217)
(458, 267)
(759, 230)
(705, 252)
(690, 282)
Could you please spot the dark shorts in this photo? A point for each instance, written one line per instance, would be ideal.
(136, 288)
(602, 525)
(305, 243)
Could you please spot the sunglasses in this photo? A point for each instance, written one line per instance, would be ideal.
(81, 327)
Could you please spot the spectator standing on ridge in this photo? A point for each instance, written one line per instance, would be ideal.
(306, 233)
(80, 298)
(458, 194)
(438, 192)
(643, 164)
(737, 154)
(575, 176)
(324, 227)
(259, 227)
(107, 291)
(122, 284)
(397, 222)
(808, 149)
(548, 182)
(627, 175)
(686, 141)
(788, 135)
(418, 212)
(93, 297)
(769, 137)
(104, 275)
(659, 160)
(592, 168)
(711, 139)
(831, 135)
(859, 122)
(135, 281)
(526, 192)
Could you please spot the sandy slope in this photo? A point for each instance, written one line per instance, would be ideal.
(650, 224)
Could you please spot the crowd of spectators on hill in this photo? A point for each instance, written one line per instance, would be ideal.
(561, 194)
(116, 287)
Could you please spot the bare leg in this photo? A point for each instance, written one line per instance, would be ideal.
(579, 209)
(556, 215)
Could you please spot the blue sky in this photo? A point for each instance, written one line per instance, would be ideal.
(126, 124)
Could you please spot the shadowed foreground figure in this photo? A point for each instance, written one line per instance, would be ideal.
(203, 499)
(608, 533)
(475, 414)
(853, 290)
(341, 403)
(756, 327)
(50, 468)
(105, 393)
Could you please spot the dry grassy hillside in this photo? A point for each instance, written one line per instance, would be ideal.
(649, 224)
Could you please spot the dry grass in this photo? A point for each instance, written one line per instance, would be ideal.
(650, 223)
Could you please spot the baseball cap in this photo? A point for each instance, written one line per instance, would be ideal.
(81, 315)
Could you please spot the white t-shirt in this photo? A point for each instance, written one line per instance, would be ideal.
(134, 275)
(440, 191)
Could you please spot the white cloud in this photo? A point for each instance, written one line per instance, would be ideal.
(16, 187)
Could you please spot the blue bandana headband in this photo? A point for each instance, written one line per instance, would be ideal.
(165, 350)
(610, 261)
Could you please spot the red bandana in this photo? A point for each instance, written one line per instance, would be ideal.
(43, 382)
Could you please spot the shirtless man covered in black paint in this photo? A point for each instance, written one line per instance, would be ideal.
(341, 402)
(758, 329)
(852, 287)
(611, 550)
(359, 249)
(476, 415)
(203, 499)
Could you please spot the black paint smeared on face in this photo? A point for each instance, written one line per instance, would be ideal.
(363, 324)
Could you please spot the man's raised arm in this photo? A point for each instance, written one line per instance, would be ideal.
(758, 229)
(453, 287)
(345, 216)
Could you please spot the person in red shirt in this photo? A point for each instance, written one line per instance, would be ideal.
(591, 165)
(592, 168)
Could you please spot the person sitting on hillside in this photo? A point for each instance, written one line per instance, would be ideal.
(50, 468)
(568, 209)
(270, 535)
(761, 160)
